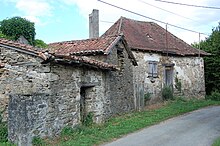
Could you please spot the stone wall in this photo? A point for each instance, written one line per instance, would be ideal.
(188, 70)
(119, 95)
(17, 76)
(120, 83)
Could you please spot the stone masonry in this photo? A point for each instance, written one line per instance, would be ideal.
(188, 70)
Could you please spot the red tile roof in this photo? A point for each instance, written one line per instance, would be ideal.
(18, 45)
(149, 36)
(88, 61)
(44, 55)
(84, 47)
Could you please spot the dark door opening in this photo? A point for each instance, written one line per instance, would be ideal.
(82, 104)
(84, 98)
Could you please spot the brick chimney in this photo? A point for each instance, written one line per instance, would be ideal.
(94, 24)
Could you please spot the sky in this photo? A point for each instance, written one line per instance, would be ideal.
(64, 20)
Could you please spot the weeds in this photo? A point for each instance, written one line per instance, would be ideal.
(37, 141)
(167, 93)
(216, 142)
(3, 130)
(214, 96)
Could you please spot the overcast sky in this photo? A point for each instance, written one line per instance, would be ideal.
(62, 20)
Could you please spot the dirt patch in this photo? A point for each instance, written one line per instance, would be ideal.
(156, 105)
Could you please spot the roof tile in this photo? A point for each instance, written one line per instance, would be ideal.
(149, 36)
(40, 53)
(83, 47)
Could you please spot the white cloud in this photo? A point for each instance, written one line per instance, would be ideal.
(33, 9)
(200, 17)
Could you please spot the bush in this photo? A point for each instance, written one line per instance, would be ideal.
(37, 141)
(3, 130)
(167, 93)
(147, 96)
(88, 121)
(214, 96)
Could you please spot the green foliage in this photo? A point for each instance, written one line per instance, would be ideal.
(17, 26)
(3, 130)
(167, 93)
(2, 35)
(216, 142)
(178, 84)
(88, 120)
(37, 141)
(212, 63)
(214, 96)
(147, 96)
(40, 44)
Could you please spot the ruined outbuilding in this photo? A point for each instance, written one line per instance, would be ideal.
(43, 91)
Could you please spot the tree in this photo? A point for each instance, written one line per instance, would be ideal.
(17, 26)
(212, 63)
(2, 35)
(40, 44)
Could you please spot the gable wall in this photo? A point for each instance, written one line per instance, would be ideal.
(188, 70)
(120, 83)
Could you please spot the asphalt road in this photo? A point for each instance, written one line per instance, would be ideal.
(198, 128)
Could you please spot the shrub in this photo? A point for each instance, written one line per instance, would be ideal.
(167, 93)
(214, 96)
(68, 130)
(147, 96)
(178, 84)
(216, 142)
(3, 130)
(37, 141)
(88, 120)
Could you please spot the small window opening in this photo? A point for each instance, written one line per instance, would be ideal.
(152, 69)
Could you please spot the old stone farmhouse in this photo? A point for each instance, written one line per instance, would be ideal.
(163, 60)
(41, 91)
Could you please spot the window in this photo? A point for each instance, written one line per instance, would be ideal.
(152, 69)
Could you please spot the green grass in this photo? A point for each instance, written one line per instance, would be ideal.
(216, 142)
(118, 126)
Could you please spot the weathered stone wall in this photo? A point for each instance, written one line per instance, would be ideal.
(188, 70)
(17, 77)
(144, 84)
(119, 94)
(119, 88)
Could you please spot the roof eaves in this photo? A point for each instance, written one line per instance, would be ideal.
(108, 49)
(87, 62)
(29, 52)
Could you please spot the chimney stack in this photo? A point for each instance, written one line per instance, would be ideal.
(94, 24)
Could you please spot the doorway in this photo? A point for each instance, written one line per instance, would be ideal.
(85, 99)
(168, 75)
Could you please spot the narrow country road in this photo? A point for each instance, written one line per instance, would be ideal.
(198, 128)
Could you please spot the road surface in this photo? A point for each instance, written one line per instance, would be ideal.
(198, 128)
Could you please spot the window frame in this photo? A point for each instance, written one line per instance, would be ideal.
(152, 69)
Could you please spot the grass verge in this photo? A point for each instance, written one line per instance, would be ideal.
(216, 142)
(121, 125)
